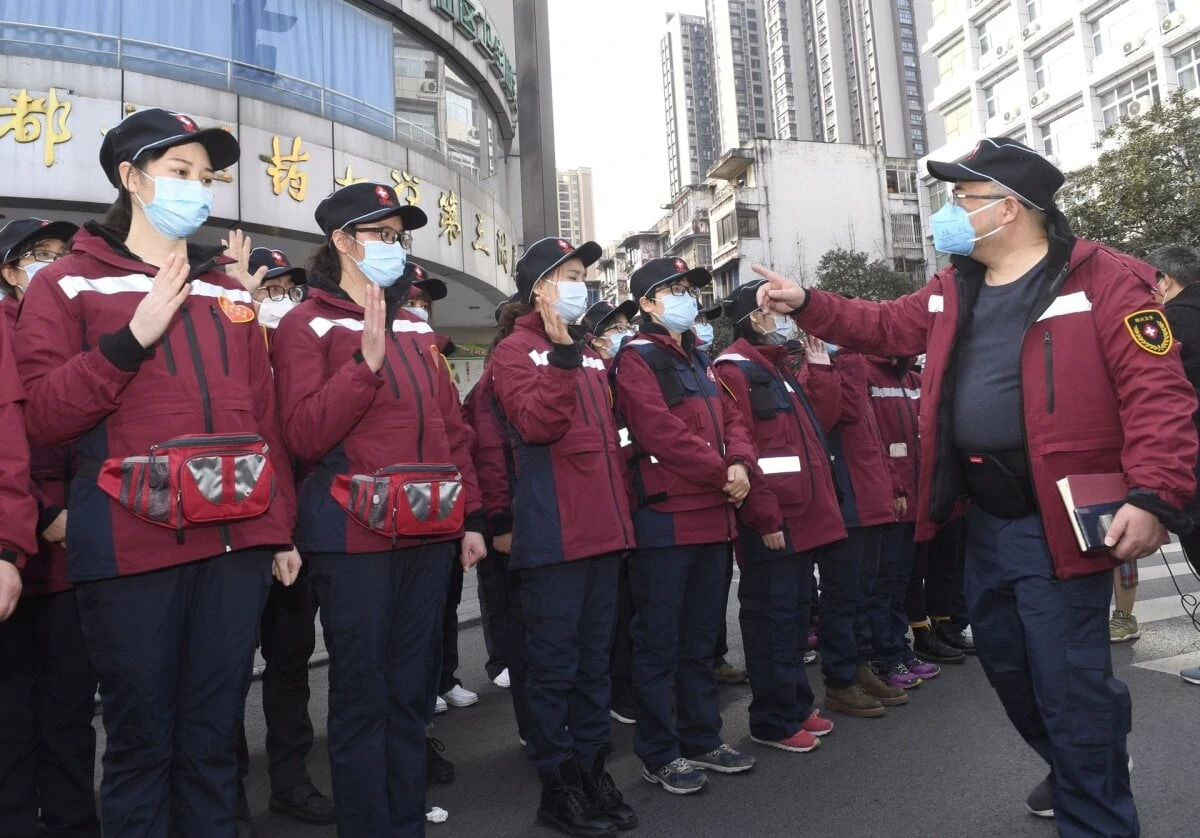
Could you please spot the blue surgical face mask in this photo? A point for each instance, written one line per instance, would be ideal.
(679, 312)
(831, 348)
(421, 314)
(572, 300)
(31, 269)
(704, 334)
(785, 330)
(382, 263)
(180, 207)
(952, 230)
(618, 338)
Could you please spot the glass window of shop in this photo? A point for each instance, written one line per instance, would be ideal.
(327, 57)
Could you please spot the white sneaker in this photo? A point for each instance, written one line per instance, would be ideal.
(460, 696)
(440, 707)
(502, 680)
(966, 633)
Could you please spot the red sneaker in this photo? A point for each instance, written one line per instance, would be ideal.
(801, 742)
(816, 725)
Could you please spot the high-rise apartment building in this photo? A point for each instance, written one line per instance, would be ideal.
(1050, 73)
(737, 43)
(576, 210)
(688, 99)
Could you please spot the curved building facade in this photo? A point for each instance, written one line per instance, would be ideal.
(319, 93)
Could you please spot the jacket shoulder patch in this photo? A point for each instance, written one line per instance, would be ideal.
(1150, 331)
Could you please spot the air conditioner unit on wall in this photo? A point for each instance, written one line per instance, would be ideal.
(1130, 47)
(1172, 21)
(1009, 116)
(1139, 106)
(1031, 30)
(1038, 98)
(429, 86)
(1000, 50)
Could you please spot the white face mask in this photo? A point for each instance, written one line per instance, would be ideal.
(421, 314)
(270, 312)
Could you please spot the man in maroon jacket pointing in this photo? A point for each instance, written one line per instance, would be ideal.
(1046, 357)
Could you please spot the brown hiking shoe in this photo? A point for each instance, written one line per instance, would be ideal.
(852, 701)
(877, 689)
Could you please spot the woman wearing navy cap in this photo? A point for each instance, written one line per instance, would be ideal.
(26, 246)
(144, 355)
(392, 494)
(571, 527)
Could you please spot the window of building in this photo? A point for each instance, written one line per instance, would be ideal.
(1054, 65)
(1115, 27)
(901, 181)
(939, 194)
(1068, 137)
(958, 121)
(747, 223)
(952, 61)
(1033, 9)
(985, 37)
(943, 9)
(1187, 67)
(726, 229)
(1115, 102)
(906, 228)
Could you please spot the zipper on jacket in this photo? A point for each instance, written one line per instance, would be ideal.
(412, 377)
(424, 363)
(189, 328)
(391, 376)
(612, 480)
(1049, 352)
(168, 355)
(582, 406)
(711, 412)
(221, 339)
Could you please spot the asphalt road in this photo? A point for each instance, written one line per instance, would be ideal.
(948, 764)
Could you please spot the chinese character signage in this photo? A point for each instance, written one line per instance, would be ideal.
(42, 118)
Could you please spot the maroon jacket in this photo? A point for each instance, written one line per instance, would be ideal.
(1095, 401)
(896, 399)
(18, 512)
(51, 469)
(681, 451)
(568, 501)
(91, 385)
(491, 452)
(349, 420)
(794, 484)
(864, 472)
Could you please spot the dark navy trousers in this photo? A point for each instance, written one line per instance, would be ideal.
(382, 615)
(47, 743)
(847, 572)
(1044, 645)
(776, 596)
(174, 650)
(677, 597)
(886, 608)
(569, 610)
(501, 586)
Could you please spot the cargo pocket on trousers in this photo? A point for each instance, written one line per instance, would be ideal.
(1092, 701)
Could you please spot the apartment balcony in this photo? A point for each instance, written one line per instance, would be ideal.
(731, 164)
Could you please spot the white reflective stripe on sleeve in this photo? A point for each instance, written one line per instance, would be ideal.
(411, 326)
(936, 303)
(626, 440)
(594, 363)
(913, 394)
(654, 459)
(322, 325)
(540, 359)
(73, 286)
(730, 356)
(788, 386)
(1076, 303)
(886, 392)
(779, 465)
(638, 342)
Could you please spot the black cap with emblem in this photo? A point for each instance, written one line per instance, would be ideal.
(1010, 164)
(420, 282)
(600, 315)
(154, 128)
(277, 265)
(360, 203)
(18, 234)
(665, 271)
(545, 255)
(742, 301)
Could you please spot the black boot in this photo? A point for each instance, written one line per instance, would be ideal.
(928, 646)
(953, 637)
(565, 805)
(438, 769)
(603, 793)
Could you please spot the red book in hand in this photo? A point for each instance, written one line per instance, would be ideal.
(1091, 501)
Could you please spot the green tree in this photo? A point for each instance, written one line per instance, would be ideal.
(1144, 189)
(852, 273)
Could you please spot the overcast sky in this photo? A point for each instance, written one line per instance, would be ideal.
(608, 103)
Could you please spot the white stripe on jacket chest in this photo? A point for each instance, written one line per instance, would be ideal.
(542, 359)
(322, 325)
(1075, 303)
(73, 286)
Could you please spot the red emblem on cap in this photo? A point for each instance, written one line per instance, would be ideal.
(279, 258)
(385, 197)
(974, 151)
(565, 247)
(44, 224)
(680, 265)
(419, 271)
(186, 122)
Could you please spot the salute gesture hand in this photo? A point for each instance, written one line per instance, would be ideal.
(152, 317)
(374, 339)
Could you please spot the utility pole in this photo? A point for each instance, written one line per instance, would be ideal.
(535, 114)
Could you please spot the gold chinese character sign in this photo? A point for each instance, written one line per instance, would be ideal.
(408, 187)
(480, 234)
(287, 176)
(33, 119)
(448, 220)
